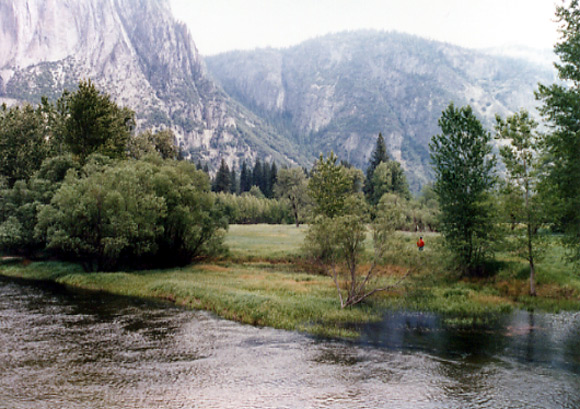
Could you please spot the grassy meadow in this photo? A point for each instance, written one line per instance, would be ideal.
(264, 281)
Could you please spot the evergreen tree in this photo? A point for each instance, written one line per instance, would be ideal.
(223, 181)
(273, 178)
(245, 178)
(463, 166)
(378, 156)
(561, 108)
(265, 182)
(257, 174)
(233, 182)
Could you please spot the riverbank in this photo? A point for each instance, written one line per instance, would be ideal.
(261, 282)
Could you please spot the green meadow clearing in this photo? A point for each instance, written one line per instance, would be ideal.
(264, 281)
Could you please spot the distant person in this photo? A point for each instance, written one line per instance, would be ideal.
(420, 244)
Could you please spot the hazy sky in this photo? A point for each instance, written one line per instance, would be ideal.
(223, 25)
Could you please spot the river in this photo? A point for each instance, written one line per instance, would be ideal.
(72, 349)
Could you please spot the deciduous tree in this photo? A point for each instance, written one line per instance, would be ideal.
(561, 109)
(521, 158)
(24, 141)
(336, 237)
(292, 185)
(464, 165)
(94, 123)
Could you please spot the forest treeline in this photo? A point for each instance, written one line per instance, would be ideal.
(78, 183)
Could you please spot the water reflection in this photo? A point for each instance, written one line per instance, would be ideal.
(546, 339)
(78, 350)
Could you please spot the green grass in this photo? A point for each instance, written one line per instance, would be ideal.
(265, 241)
(252, 293)
(262, 282)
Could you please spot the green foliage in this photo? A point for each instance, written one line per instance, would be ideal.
(561, 108)
(339, 239)
(159, 213)
(388, 177)
(337, 235)
(292, 185)
(251, 209)
(378, 156)
(521, 159)
(329, 186)
(463, 165)
(245, 178)
(24, 134)
(223, 180)
(160, 143)
(94, 123)
(20, 204)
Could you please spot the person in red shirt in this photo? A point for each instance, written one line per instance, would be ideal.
(420, 244)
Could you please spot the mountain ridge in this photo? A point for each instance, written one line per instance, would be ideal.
(334, 92)
(337, 92)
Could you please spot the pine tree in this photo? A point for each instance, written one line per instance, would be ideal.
(257, 174)
(245, 178)
(222, 182)
(378, 156)
(272, 179)
(265, 182)
(233, 182)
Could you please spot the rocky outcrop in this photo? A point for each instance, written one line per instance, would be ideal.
(138, 53)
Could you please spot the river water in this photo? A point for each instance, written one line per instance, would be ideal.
(71, 349)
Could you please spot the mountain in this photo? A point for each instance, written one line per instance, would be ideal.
(337, 92)
(137, 52)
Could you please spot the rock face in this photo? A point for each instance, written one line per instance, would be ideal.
(339, 91)
(135, 51)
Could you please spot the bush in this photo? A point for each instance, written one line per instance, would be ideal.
(132, 213)
(249, 209)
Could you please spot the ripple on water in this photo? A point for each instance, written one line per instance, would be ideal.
(69, 350)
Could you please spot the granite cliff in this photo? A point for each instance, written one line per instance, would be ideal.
(137, 52)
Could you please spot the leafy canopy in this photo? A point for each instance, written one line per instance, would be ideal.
(463, 165)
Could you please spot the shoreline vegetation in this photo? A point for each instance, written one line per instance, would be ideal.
(264, 281)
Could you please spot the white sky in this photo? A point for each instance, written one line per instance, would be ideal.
(223, 25)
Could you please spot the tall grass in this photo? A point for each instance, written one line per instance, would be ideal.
(252, 286)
